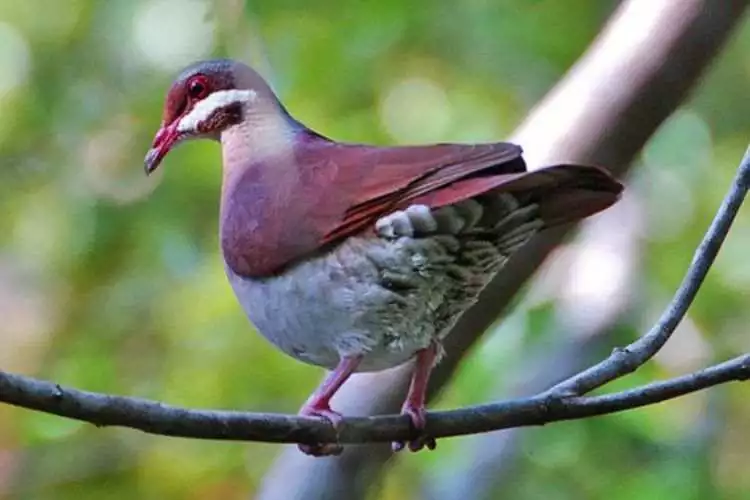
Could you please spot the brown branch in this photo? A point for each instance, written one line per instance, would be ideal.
(628, 359)
(157, 418)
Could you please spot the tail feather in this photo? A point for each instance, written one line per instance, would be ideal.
(567, 193)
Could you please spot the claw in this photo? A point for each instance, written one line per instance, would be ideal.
(326, 413)
(417, 414)
(322, 411)
(415, 400)
(321, 449)
(418, 418)
(318, 406)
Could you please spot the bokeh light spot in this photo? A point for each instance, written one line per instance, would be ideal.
(684, 143)
(415, 110)
(15, 58)
(172, 33)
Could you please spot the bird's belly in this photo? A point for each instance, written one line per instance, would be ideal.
(383, 299)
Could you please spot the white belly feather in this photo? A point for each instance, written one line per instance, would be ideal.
(384, 297)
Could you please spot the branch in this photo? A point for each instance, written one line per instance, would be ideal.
(560, 403)
(628, 359)
(157, 418)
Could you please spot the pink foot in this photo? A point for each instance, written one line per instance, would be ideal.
(414, 404)
(323, 411)
(318, 405)
(418, 416)
(326, 413)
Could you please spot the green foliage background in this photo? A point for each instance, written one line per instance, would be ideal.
(111, 281)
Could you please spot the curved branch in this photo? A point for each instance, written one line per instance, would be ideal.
(630, 358)
(157, 418)
(559, 403)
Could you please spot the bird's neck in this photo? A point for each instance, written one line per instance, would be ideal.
(265, 134)
(264, 191)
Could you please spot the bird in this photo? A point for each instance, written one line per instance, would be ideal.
(357, 257)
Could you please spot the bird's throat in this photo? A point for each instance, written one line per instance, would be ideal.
(263, 196)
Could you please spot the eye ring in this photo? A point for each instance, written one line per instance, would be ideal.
(197, 87)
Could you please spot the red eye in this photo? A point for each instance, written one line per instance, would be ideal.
(197, 87)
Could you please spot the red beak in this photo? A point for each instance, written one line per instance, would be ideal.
(164, 141)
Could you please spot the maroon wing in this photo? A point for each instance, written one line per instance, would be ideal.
(381, 180)
(279, 213)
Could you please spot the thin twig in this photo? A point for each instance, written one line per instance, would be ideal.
(628, 359)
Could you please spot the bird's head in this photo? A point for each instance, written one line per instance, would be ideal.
(205, 99)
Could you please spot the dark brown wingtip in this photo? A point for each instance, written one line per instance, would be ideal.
(591, 177)
(570, 192)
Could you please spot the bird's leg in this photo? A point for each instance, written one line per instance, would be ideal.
(318, 404)
(415, 399)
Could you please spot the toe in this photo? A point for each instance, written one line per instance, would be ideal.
(422, 442)
(322, 449)
(417, 444)
(322, 411)
(418, 417)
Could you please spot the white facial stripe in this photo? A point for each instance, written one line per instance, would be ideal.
(207, 106)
